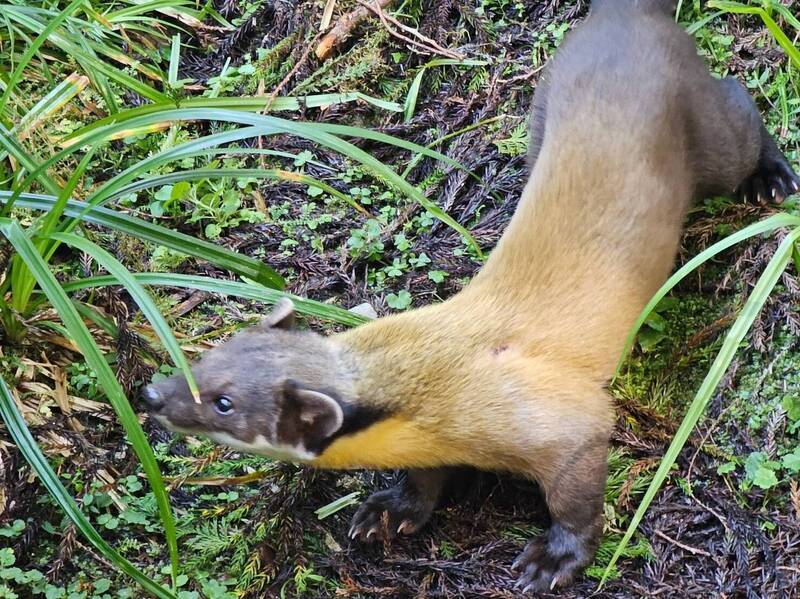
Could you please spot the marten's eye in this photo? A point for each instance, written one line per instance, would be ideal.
(223, 405)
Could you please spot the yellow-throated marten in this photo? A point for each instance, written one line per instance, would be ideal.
(508, 375)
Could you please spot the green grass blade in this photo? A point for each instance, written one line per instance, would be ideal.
(36, 170)
(222, 257)
(105, 377)
(209, 108)
(174, 60)
(768, 224)
(140, 296)
(738, 330)
(92, 314)
(777, 32)
(53, 217)
(22, 282)
(102, 194)
(124, 79)
(234, 288)
(246, 104)
(30, 450)
(51, 103)
(784, 12)
(328, 510)
(317, 132)
(411, 98)
(140, 8)
(356, 132)
(413, 91)
(16, 76)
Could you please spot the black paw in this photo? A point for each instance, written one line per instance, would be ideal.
(774, 180)
(386, 514)
(551, 561)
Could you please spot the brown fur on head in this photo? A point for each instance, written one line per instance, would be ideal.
(268, 390)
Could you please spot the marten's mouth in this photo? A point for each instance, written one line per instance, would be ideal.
(168, 424)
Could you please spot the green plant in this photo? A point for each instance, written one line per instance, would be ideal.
(516, 143)
(765, 12)
(786, 251)
(304, 579)
(413, 91)
(27, 445)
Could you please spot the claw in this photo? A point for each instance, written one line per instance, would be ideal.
(517, 563)
(371, 532)
(528, 589)
(554, 583)
(405, 525)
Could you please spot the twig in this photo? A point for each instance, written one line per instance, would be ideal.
(688, 548)
(425, 43)
(327, 13)
(343, 28)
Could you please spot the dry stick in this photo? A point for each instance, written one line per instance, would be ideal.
(327, 13)
(689, 548)
(425, 42)
(343, 28)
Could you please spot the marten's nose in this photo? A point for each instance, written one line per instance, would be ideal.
(152, 398)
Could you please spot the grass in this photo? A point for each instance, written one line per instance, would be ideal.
(93, 189)
(787, 251)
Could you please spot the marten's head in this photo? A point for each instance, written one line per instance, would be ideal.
(272, 390)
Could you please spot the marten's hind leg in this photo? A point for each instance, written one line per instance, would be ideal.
(734, 151)
(574, 496)
(408, 506)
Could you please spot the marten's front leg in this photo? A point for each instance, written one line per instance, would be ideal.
(574, 496)
(408, 506)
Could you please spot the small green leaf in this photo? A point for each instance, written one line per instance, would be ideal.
(753, 462)
(650, 338)
(399, 301)
(102, 585)
(213, 230)
(765, 478)
(656, 321)
(164, 193)
(791, 461)
(13, 530)
(792, 407)
(133, 517)
(726, 468)
(437, 276)
(180, 190)
(7, 557)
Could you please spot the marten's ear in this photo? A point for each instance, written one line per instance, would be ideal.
(306, 417)
(281, 317)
